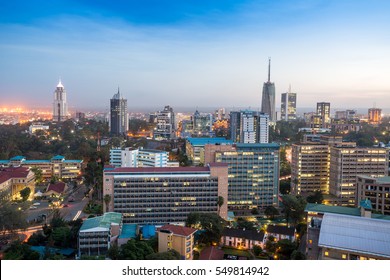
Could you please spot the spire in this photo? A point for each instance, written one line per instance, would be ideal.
(59, 83)
(119, 94)
(269, 69)
(289, 88)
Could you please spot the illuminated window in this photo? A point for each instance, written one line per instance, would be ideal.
(310, 241)
(326, 253)
(343, 256)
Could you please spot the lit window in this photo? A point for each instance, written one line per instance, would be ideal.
(310, 241)
(343, 256)
(326, 253)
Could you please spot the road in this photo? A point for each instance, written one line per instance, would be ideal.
(72, 211)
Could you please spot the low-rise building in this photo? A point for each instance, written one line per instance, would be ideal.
(56, 189)
(242, 238)
(195, 148)
(280, 232)
(15, 179)
(178, 238)
(97, 234)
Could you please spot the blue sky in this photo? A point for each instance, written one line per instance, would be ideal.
(195, 53)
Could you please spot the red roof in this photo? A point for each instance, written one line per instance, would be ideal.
(178, 230)
(13, 172)
(57, 187)
(218, 164)
(158, 169)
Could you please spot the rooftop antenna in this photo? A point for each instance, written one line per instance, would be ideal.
(269, 69)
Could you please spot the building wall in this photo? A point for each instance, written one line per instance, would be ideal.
(309, 168)
(182, 244)
(376, 191)
(347, 163)
(93, 243)
(210, 151)
(335, 254)
(240, 243)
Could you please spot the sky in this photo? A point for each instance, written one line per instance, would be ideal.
(195, 53)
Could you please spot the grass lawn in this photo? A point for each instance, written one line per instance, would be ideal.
(236, 252)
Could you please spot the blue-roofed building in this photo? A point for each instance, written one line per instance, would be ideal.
(97, 234)
(129, 231)
(148, 231)
(57, 165)
(195, 148)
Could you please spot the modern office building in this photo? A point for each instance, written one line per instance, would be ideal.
(96, 235)
(374, 116)
(165, 195)
(138, 157)
(56, 166)
(178, 238)
(166, 125)
(323, 111)
(375, 189)
(15, 179)
(289, 106)
(253, 176)
(309, 168)
(346, 163)
(119, 117)
(249, 127)
(268, 97)
(202, 124)
(195, 148)
(60, 106)
(34, 127)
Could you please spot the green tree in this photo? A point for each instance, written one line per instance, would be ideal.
(285, 248)
(285, 186)
(25, 193)
(271, 212)
(11, 218)
(316, 197)
(211, 224)
(257, 250)
(170, 255)
(296, 255)
(245, 224)
(113, 253)
(20, 251)
(220, 202)
(135, 250)
(107, 200)
(293, 208)
(38, 174)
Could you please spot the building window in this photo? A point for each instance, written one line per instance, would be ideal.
(343, 256)
(169, 244)
(310, 241)
(326, 253)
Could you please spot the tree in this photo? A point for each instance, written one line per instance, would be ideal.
(170, 255)
(135, 250)
(296, 255)
(271, 212)
(255, 211)
(257, 250)
(38, 174)
(316, 197)
(285, 248)
(25, 193)
(285, 186)
(20, 251)
(293, 207)
(220, 202)
(107, 200)
(11, 218)
(245, 224)
(113, 253)
(211, 225)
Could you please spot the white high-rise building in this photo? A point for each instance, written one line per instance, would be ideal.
(138, 158)
(60, 107)
(249, 127)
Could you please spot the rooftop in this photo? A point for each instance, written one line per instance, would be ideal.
(240, 233)
(204, 140)
(156, 169)
(17, 158)
(128, 231)
(13, 172)
(178, 230)
(249, 146)
(290, 231)
(355, 234)
(385, 179)
(104, 221)
(58, 187)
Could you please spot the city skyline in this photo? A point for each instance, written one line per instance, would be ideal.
(200, 54)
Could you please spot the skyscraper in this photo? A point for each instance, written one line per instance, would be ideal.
(323, 110)
(268, 98)
(289, 106)
(165, 129)
(249, 127)
(374, 115)
(60, 107)
(119, 118)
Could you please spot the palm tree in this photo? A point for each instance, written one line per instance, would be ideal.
(107, 200)
(220, 203)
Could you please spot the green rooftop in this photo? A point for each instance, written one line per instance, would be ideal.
(104, 221)
(322, 208)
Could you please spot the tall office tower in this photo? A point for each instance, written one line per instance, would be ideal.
(309, 168)
(323, 110)
(374, 115)
(202, 124)
(253, 174)
(119, 117)
(60, 107)
(249, 127)
(220, 114)
(346, 163)
(165, 195)
(268, 98)
(377, 190)
(289, 106)
(165, 129)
